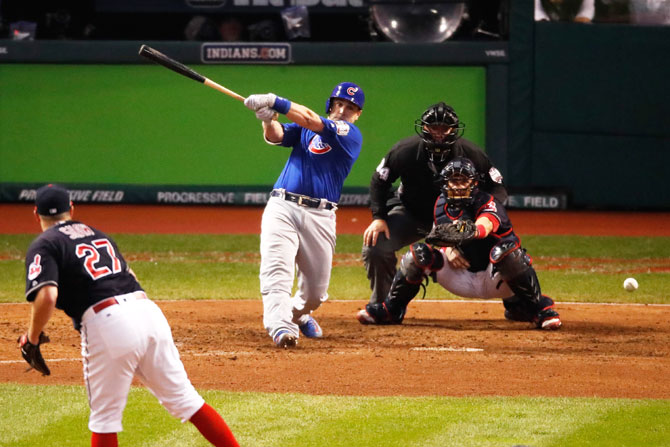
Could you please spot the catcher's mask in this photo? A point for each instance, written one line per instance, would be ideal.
(439, 128)
(459, 179)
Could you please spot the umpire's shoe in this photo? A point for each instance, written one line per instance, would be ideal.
(311, 328)
(547, 319)
(284, 339)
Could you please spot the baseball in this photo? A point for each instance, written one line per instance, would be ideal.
(630, 284)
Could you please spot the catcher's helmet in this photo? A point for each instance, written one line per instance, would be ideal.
(459, 178)
(446, 129)
(348, 91)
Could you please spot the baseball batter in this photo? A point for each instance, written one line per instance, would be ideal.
(298, 224)
(482, 258)
(80, 270)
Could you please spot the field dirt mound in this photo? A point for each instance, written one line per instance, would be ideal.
(443, 348)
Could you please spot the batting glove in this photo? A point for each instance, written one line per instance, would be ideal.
(255, 102)
(266, 114)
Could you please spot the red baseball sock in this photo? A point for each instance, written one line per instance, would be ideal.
(213, 427)
(104, 440)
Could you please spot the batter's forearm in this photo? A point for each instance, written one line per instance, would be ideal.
(305, 117)
(273, 131)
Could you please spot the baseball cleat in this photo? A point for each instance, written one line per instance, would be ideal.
(311, 329)
(551, 324)
(548, 320)
(364, 317)
(284, 339)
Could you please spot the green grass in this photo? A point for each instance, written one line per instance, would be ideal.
(570, 268)
(295, 420)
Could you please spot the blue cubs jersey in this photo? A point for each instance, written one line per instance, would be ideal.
(319, 163)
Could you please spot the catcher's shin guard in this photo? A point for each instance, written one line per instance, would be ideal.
(402, 292)
(392, 310)
(415, 266)
(515, 268)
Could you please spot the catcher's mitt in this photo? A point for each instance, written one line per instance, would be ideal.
(31, 353)
(452, 234)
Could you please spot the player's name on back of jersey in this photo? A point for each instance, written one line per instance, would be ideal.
(238, 195)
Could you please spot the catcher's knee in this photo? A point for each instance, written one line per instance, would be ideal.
(510, 259)
(419, 261)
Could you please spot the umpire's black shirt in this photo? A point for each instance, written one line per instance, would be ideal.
(418, 190)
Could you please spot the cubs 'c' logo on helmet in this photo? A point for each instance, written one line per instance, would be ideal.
(316, 146)
(349, 92)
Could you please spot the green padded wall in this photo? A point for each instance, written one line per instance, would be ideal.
(145, 125)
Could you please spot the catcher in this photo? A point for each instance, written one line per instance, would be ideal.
(78, 269)
(480, 257)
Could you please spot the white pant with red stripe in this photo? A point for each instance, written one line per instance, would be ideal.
(127, 339)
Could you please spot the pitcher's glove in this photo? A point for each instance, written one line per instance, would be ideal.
(452, 234)
(31, 353)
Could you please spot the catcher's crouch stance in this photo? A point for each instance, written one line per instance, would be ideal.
(481, 257)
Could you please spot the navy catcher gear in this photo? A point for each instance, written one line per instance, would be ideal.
(446, 129)
(414, 268)
(417, 260)
(509, 259)
(528, 303)
(349, 92)
(458, 180)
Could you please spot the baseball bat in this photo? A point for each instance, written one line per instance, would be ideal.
(167, 62)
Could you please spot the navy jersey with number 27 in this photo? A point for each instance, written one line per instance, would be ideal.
(84, 263)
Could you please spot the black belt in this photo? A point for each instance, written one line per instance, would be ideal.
(302, 200)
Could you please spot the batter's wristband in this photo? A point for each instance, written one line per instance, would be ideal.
(282, 105)
(481, 231)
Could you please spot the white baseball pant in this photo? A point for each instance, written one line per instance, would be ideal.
(294, 236)
(127, 339)
(466, 284)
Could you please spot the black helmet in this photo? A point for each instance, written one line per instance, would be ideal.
(439, 114)
(462, 169)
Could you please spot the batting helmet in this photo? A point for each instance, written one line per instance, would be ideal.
(347, 91)
(438, 143)
(462, 171)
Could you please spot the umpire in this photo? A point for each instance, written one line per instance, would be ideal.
(404, 215)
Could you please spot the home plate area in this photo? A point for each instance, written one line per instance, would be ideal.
(445, 348)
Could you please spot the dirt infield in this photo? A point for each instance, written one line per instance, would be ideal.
(444, 348)
(449, 349)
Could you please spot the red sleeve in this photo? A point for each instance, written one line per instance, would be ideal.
(493, 219)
